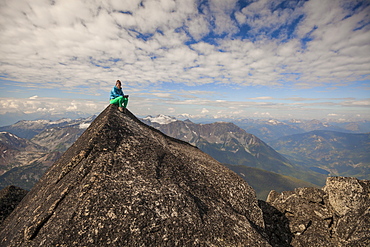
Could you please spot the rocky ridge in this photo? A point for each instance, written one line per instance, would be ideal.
(336, 215)
(124, 183)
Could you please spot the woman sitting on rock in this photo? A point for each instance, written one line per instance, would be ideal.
(118, 98)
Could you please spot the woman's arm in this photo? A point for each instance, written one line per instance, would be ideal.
(116, 92)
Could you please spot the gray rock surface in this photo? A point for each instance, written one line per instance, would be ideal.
(123, 183)
(10, 197)
(337, 215)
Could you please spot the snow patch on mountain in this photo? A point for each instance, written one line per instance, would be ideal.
(9, 134)
(161, 119)
(63, 120)
(274, 122)
(84, 125)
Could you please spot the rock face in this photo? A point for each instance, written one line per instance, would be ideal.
(9, 199)
(337, 215)
(123, 183)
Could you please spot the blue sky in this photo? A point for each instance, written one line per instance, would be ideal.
(201, 59)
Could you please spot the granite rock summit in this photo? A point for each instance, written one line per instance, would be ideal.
(123, 183)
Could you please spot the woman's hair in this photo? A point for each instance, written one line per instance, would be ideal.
(118, 81)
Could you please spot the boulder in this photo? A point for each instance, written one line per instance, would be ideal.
(337, 215)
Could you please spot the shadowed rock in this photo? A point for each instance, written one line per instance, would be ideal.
(10, 197)
(123, 183)
(337, 215)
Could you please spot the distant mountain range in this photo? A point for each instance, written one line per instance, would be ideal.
(305, 144)
(271, 129)
(16, 151)
(28, 148)
(328, 152)
(229, 144)
(28, 129)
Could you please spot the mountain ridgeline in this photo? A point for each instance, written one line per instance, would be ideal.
(272, 129)
(23, 169)
(230, 144)
(304, 159)
(334, 153)
(15, 151)
(123, 183)
(29, 129)
(23, 161)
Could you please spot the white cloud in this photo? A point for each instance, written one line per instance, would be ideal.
(83, 46)
(72, 42)
(357, 103)
(52, 106)
(264, 15)
(262, 114)
(204, 110)
(198, 27)
(262, 98)
(33, 97)
(221, 11)
(197, 107)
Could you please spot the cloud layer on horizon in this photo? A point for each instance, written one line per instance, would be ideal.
(179, 104)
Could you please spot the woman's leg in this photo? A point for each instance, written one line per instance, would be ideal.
(117, 101)
(125, 102)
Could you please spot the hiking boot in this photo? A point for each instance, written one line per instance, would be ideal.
(121, 109)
